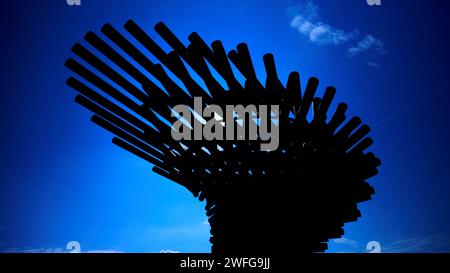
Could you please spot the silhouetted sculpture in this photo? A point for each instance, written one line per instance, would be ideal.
(258, 202)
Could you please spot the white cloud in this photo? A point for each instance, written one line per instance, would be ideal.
(434, 243)
(34, 250)
(306, 21)
(345, 241)
(368, 43)
(103, 251)
(169, 251)
(373, 64)
(52, 250)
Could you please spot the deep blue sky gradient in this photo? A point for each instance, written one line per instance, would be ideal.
(61, 179)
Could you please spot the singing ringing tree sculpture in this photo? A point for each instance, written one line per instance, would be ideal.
(257, 201)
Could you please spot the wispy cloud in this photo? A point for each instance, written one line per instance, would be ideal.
(424, 244)
(103, 251)
(434, 243)
(367, 44)
(169, 251)
(35, 250)
(344, 245)
(345, 241)
(374, 64)
(52, 250)
(307, 22)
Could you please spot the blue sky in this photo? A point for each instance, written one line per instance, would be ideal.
(61, 179)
